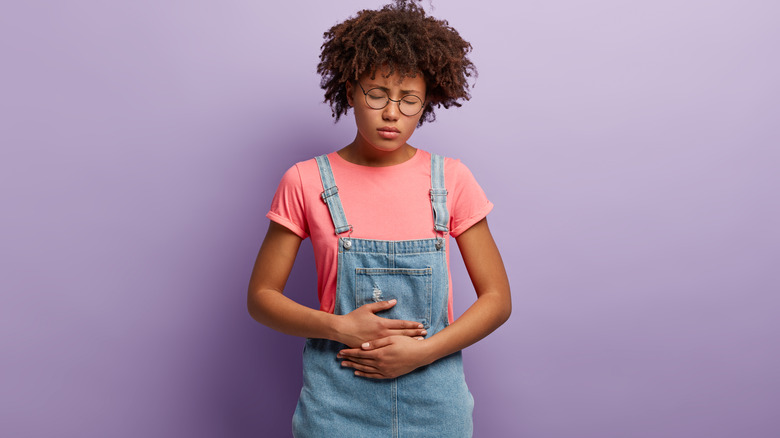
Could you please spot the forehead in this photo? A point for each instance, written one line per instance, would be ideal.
(380, 79)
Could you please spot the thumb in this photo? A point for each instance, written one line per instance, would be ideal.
(381, 305)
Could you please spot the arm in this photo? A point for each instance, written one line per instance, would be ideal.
(268, 305)
(393, 356)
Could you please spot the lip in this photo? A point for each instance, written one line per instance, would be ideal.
(388, 132)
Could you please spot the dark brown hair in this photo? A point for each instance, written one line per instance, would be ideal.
(401, 37)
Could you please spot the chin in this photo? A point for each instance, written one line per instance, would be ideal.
(387, 147)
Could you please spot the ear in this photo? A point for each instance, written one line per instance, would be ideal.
(350, 90)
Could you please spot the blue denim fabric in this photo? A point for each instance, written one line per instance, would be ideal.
(431, 401)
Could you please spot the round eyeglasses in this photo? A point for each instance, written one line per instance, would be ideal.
(377, 98)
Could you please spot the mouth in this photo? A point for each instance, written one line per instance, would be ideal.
(388, 132)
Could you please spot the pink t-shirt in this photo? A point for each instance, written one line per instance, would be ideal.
(382, 203)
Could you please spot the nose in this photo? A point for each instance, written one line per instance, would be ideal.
(391, 112)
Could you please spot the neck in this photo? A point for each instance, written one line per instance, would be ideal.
(359, 152)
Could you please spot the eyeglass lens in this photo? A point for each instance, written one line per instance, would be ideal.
(409, 105)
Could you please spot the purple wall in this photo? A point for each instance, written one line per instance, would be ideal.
(631, 150)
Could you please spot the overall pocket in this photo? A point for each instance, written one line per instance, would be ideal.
(411, 287)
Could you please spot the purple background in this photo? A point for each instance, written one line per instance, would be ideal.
(631, 149)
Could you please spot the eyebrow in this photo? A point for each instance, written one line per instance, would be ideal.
(387, 89)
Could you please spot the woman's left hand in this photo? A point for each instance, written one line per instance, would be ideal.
(386, 358)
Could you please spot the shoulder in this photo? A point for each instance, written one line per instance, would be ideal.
(301, 174)
(455, 167)
(456, 173)
(468, 203)
(451, 165)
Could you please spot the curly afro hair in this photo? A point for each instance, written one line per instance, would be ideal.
(404, 39)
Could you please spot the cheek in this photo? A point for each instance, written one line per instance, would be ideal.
(412, 123)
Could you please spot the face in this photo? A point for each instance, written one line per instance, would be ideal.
(385, 129)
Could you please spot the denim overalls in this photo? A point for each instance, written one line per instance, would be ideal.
(431, 401)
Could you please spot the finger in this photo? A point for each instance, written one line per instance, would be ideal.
(355, 353)
(352, 362)
(402, 324)
(378, 343)
(380, 306)
(359, 367)
(370, 375)
(411, 333)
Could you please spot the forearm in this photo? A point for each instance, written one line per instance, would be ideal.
(273, 309)
(494, 300)
(487, 313)
(395, 356)
(266, 302)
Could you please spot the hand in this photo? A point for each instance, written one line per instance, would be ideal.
(362, 325)
(386, 358)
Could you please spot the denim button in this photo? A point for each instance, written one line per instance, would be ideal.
(439, 243)
(347, 244)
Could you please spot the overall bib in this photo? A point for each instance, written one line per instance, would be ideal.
(431, 401)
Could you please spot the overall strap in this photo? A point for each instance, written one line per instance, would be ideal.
(441, 217)
(330, 195)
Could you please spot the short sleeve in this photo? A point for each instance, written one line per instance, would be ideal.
(468, 204)
(288, 207)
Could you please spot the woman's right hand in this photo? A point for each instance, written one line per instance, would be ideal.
(363, 325)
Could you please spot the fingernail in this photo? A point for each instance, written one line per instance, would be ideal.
(365, 345)
(392, 301)
(425, 332)
(419, 326)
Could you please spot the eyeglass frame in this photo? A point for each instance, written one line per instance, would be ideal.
(365, 96)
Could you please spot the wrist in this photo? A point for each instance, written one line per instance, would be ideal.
(431, 350)
(335, 325)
